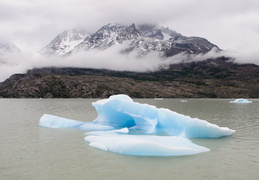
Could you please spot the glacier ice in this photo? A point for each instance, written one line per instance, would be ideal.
(146, 129)
(121, 111)
(51, 121)
(143, 145)
(241, 101)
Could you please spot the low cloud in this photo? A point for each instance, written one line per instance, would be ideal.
(111, 58)
(243, 57)
(14, 63)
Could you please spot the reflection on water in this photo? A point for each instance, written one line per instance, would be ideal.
(31, 152)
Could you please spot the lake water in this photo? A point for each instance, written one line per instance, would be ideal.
(29, 152)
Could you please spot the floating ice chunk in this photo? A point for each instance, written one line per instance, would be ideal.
(144, 145)
(121, 111)
(241, 101)
(120, 119)
(159, 99)
(51, 121)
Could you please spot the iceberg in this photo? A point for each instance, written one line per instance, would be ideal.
(51, 121)
(143, 145)
(120, 111)
(241, 101)
(128, 127)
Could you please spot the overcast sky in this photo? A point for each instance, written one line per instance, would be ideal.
(233, 25)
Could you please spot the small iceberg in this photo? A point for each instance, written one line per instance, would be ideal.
(159, 99)
(241, 101)
(128, 127)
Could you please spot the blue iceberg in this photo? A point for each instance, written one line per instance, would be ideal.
(121, 111)
(241, 101)
(143, 145)
(150, 131)
(51, 121)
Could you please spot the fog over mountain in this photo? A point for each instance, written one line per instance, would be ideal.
(139, 48)
(143, 38)
(231, 25)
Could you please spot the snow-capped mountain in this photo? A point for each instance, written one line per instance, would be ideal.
(65, 42)
(110, 35)
(8, 48)
(7, 53)
(143, 38)
(156, 32)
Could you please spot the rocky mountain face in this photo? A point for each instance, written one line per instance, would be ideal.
(143, 38)
(110, 35)
(213, 78)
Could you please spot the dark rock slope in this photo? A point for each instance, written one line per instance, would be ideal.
(213, 78)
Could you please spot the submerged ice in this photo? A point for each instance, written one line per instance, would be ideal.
(160, 132)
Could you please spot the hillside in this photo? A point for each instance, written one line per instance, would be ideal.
(213, 78)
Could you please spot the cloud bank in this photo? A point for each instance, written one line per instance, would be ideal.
(111, 58)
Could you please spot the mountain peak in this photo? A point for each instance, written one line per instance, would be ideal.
(132, 29)
(156, 31)
(64, 42)
(132, 26)
(109, 35)
(8, 48)
(143, 38)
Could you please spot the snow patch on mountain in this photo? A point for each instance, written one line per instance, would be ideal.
(65, 42)
(109, 35)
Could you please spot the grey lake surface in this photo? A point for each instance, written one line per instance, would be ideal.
(30, 152)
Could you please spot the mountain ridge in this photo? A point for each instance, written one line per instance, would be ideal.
(143, 38)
